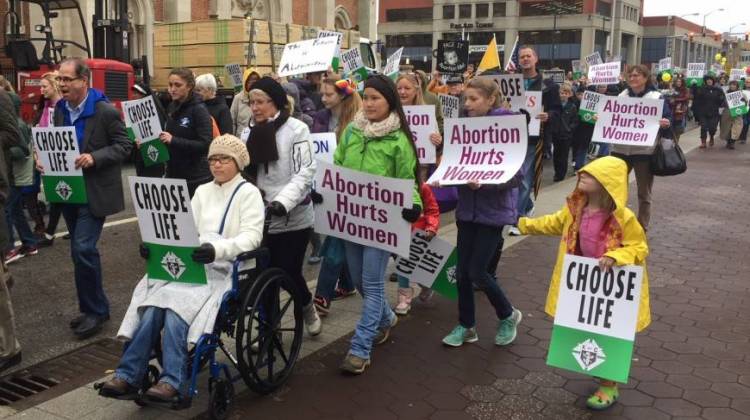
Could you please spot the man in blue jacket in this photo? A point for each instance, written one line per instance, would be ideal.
(104, 144)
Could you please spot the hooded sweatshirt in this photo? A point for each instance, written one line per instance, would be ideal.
(624, 237)
(240, 109)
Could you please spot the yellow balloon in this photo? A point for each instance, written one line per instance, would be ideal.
(723, 60)
(666, 77)
(718, 57)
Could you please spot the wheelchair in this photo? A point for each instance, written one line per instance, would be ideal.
(263, 313)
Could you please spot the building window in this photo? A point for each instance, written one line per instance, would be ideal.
(603, 8)
(554, 48)
(464, 11)
(483, 10)
(653, 50)
(547, 8)
(449, 12)
(498, 9)
(399, 15)
(417, 49)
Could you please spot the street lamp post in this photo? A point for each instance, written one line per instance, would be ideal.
(735, 26)
(687, 54)
(705, 15)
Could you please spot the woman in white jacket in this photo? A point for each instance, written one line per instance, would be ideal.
(283, 168)
(229, 216)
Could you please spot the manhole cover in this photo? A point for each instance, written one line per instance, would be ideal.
(42, 382)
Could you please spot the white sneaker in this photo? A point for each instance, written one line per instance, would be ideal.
(312, 320)
(405, 295)
(513, 231)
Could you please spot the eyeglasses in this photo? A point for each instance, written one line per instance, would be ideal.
(66, 80)
(219, 159)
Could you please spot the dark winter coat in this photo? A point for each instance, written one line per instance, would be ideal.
(707, 100)
(189, 123)
(218, 109)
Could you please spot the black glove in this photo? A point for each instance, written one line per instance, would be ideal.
(411, 215)
(316, 197)
(276, 209)
(204, 254)
(144, 251)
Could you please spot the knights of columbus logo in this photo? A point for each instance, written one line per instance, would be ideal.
(173, 265)
(63, 190)
(588, 354)
(152, 152)
(451, 273)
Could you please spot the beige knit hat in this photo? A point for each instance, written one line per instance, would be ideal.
(230, 145)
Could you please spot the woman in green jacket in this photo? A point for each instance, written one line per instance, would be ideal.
(378, 142)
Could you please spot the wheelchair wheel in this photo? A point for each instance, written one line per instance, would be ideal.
(269, 331)
(220, 398)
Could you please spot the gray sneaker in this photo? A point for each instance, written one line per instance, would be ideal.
(384, 333)
(506, 329)
(354, 365)
(312, 320)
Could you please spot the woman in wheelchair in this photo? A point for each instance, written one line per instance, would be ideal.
(229, 215)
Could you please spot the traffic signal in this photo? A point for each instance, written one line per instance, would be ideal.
(691, 35)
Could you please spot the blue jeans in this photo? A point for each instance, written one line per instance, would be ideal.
(579, 157)
(330, 273)
(525, 203)
(603, 149)
(14, 217)
(475, 245)
(85, 229)
(134, 361)
(367, 269)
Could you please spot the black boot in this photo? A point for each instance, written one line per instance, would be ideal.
(730, 144)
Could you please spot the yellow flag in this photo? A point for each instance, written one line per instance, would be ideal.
(490, 59)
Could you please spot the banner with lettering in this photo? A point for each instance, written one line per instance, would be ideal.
(595, 323)
(489, 150)
(141, 117)
(450, 105)
(364, 208)
(308, 56)
(594, 59)
(165, 219)
(738, 75)
(422, 123)
(354, 67)
(628, 121)
(337, 57)
(392, 64)
(533, 106)
(57, 148)
(324, 146)
(665, 65)
(234, 71)
(512, 88)
(431, 263)
(737, 103)
(577, 69)
(589, 103)
(604, 74)
(695, 73)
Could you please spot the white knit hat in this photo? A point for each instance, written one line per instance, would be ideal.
(230, 145)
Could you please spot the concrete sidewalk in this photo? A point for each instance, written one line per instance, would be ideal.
(422, 327)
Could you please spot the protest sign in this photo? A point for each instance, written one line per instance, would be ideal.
(512, 88)
(716, 69)
(576, 69)
(614, 59)
(364, 208)
(452, 56)
(308, 56)
(431, 263)
(557, 76)
(604, 74)
(143, 119)
(695, 73)
(596, 318)
(422, 123)
(589, 104)
(165, 219)
(449, 104)
(337, 56)
(594, 59)
(234, 71)
(57, 148)
(665, 65)
(737, 103)
(489, 150)
(354, 67)
(533, 106)
(738, 75)
(628, 121)
(324, 146)
(392, 64)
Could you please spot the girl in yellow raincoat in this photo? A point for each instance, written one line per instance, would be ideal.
(596, 223)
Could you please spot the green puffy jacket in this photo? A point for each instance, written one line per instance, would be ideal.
(390, 155)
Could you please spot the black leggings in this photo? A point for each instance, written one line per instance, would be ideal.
(708, 125)
(288, 253)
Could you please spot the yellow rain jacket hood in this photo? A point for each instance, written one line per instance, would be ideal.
(248, 72)
(626, 240)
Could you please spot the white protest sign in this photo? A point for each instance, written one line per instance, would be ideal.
(352, 60)
(364, 208)
(594, 59)
(512, 88)
(576, 68)
(736, 74)
(489, 150)
(556, 75)
(422, 123)
(431, 263)
(534, 107)
(596, 318)
(737, 103)
(141, 116)
(165, 219)
(589, 105)
(308, 56)
(604, 74)
(665, 64)
(57, 148)
(695, 73)
(324, 146)
(628, 121)
(234, 71)
(449, 105)
(392, 65)
(340, 37)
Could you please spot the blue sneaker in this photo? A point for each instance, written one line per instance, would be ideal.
(461, 335)
(506, 329)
